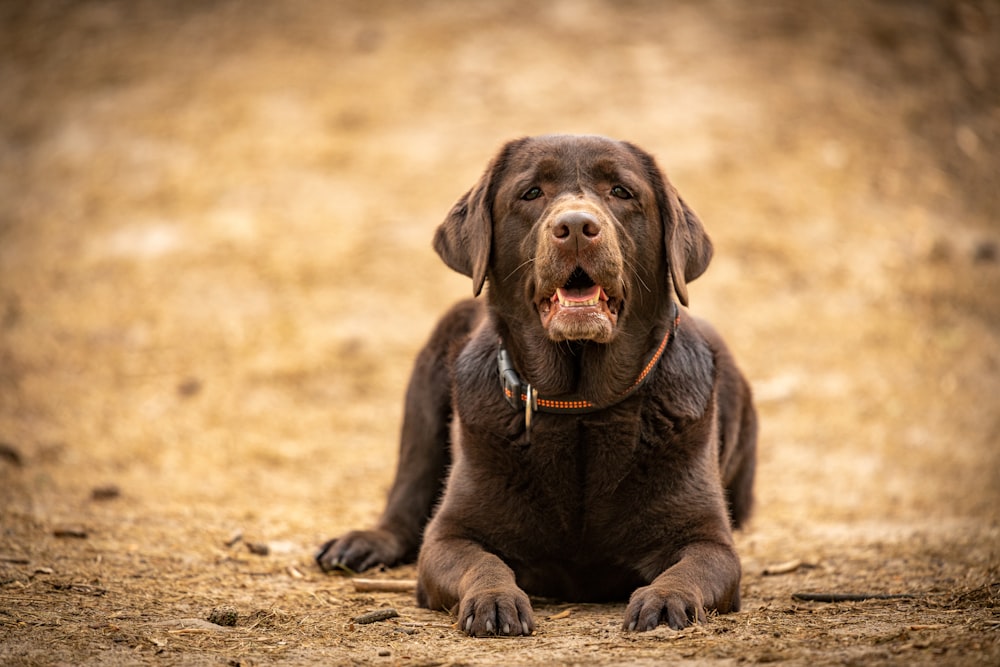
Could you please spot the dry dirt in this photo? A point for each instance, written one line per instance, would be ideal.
(215, 270)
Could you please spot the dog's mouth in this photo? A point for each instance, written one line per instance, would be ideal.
(580, 310)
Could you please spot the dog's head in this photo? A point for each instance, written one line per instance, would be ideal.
(580, 229)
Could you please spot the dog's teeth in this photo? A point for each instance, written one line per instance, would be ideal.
(572, 303)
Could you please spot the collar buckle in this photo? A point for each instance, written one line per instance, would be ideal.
(530, 406)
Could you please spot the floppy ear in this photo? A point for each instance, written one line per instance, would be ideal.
(689, 250)
(464, 239)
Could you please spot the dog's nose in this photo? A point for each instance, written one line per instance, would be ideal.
(575, 229)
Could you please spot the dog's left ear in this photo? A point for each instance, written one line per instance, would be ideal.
(687, 247)
(689, 250)
(464, 240)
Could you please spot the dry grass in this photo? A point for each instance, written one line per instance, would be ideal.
(215, 271)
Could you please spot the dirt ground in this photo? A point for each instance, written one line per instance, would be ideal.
(215, 270)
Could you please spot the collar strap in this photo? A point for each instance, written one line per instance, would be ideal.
(521, 395)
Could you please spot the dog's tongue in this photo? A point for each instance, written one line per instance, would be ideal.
(587, 296)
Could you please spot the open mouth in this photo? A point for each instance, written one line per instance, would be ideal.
(580, 291)
(580, 310)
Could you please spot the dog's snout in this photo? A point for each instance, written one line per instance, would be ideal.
(577, 228)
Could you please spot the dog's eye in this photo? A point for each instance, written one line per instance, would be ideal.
(620, 192)
(533, 193)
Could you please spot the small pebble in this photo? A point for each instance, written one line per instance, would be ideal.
(11, 455)
(189, 387)
(985, 252)
(258, 548)
(384, 653)
(223, 616)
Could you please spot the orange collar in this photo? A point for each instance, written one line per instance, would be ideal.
(521, 395)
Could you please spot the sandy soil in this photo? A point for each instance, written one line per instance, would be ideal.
(215, 270)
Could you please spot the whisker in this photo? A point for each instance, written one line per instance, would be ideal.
(519, 267)
(635, 272)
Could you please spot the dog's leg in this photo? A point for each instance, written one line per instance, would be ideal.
(456, 571)
(737, 429)
(739, 477)
(424, 456)
(707, 577)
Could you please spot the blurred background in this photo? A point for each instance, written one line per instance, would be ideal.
(215, 225)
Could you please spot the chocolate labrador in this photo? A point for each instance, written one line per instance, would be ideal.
(577, 435)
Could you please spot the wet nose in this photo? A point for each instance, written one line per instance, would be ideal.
(575, 229)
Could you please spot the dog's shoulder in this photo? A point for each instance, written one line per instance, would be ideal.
(476, 390)
(454, 327)
(686, 375)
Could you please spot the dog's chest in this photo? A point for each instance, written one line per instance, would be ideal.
(585, 478)
(581, 458)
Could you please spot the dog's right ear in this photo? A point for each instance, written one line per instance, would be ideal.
(464, 240)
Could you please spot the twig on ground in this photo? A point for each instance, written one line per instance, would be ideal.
(782, 568)
(384, 585)
(849, 597)
(377, 615)
(86, 589)
(14, 560)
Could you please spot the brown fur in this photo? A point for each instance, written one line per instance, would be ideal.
(628, 499)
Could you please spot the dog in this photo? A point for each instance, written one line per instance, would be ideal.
(574, 435)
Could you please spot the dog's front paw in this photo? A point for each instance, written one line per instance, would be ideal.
(359, 550)
(496, 612)
(650, 606)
